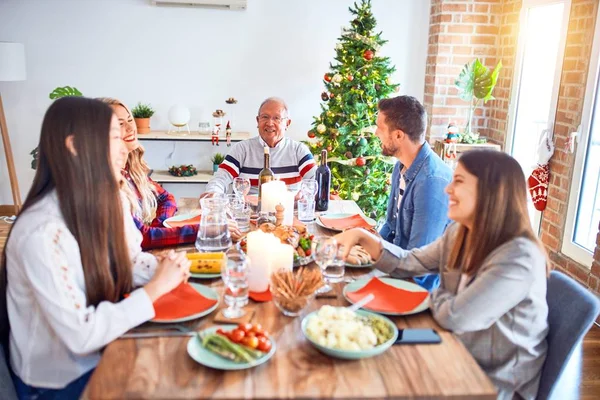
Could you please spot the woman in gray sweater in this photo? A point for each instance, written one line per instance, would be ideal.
(493, 271)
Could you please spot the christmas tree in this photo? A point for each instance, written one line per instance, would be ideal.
(356, 81)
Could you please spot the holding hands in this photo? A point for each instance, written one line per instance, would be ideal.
(173, 268)
(358, 236)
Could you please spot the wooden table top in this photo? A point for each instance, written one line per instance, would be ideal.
(160, 368)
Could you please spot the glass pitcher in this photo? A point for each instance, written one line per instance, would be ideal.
(213, 232)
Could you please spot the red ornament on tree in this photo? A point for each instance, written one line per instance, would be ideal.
(368, 55)
(360, 162)
(331, 95)
(311, 134)
(327, 77)
(329, 148)
(350, 78)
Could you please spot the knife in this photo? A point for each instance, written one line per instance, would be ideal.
(141, 335)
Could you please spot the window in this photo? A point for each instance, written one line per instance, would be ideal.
(583, 216)
(540, 50)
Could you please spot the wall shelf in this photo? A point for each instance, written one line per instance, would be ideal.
(192, 137)
(162, 176)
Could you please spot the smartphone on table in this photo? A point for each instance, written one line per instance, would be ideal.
(418, 336)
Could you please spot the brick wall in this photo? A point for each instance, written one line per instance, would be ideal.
(497, 124)
(568, 117)
(461, 30)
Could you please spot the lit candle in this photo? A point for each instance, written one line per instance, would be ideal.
(258, 244)
(282, 256)
(271, 194)
(286, 199)
(267, 254)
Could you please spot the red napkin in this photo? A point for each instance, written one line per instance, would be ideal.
(354, 221)
(261, 297)
(388, 298)
(181, 302)
(190, 221)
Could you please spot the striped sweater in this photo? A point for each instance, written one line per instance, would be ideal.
(291, 161)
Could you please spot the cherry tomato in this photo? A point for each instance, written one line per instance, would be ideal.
(307, 252)
(222, 333)
(237, 335)
(251, 342)
(257, 329)
(250, 334)
(264, 333)
(245, 327)
(264, 344)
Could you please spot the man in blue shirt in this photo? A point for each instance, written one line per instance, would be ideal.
(417, 211)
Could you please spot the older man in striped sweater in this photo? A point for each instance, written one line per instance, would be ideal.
(291, 161)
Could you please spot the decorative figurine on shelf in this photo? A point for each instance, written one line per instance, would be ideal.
(279, 211)
(218, 116)
(231, 102)
(228, 133)
(214, 140)
(451, 137)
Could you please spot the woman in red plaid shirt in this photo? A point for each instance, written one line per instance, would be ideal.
(154, 204)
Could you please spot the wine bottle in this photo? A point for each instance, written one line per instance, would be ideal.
(323, 178)
(265, 175)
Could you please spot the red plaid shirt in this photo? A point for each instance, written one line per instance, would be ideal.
(155, 234)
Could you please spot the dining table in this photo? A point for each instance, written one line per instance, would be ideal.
(160, 367)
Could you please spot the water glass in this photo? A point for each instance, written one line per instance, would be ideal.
(306, 209)
(324, 250)
(234, 202)
(242, 217)
(334, 271)
(235, 283)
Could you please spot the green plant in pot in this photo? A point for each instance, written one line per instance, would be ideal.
(141, 114)
(476, 82)
(217, 159)
(55, 94)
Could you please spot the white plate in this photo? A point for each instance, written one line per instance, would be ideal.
(369, 221)
(398, 283)
(210, 359)
(369, 265)
(204, 291)
(181, 217)
(205, 276)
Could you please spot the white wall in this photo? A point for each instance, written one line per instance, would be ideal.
(135, 51)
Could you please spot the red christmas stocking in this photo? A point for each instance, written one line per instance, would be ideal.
(538, 186)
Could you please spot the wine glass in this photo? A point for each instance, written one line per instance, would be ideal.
(309, 188)
(324, 250)
(241, 186)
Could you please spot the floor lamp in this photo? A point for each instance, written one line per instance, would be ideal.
(12, 68)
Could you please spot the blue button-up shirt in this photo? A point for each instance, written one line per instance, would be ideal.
(423, 213)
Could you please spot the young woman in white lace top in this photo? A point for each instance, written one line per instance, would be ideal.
(71, 256)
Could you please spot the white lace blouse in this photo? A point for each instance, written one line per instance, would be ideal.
(55, 337)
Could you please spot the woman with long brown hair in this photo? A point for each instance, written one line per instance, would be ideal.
(71, 256)
(151, 203)
(493, 271)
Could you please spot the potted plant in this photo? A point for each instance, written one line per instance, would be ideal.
(217, 159)
(476, 82)
(141, 114)
(55, 94)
